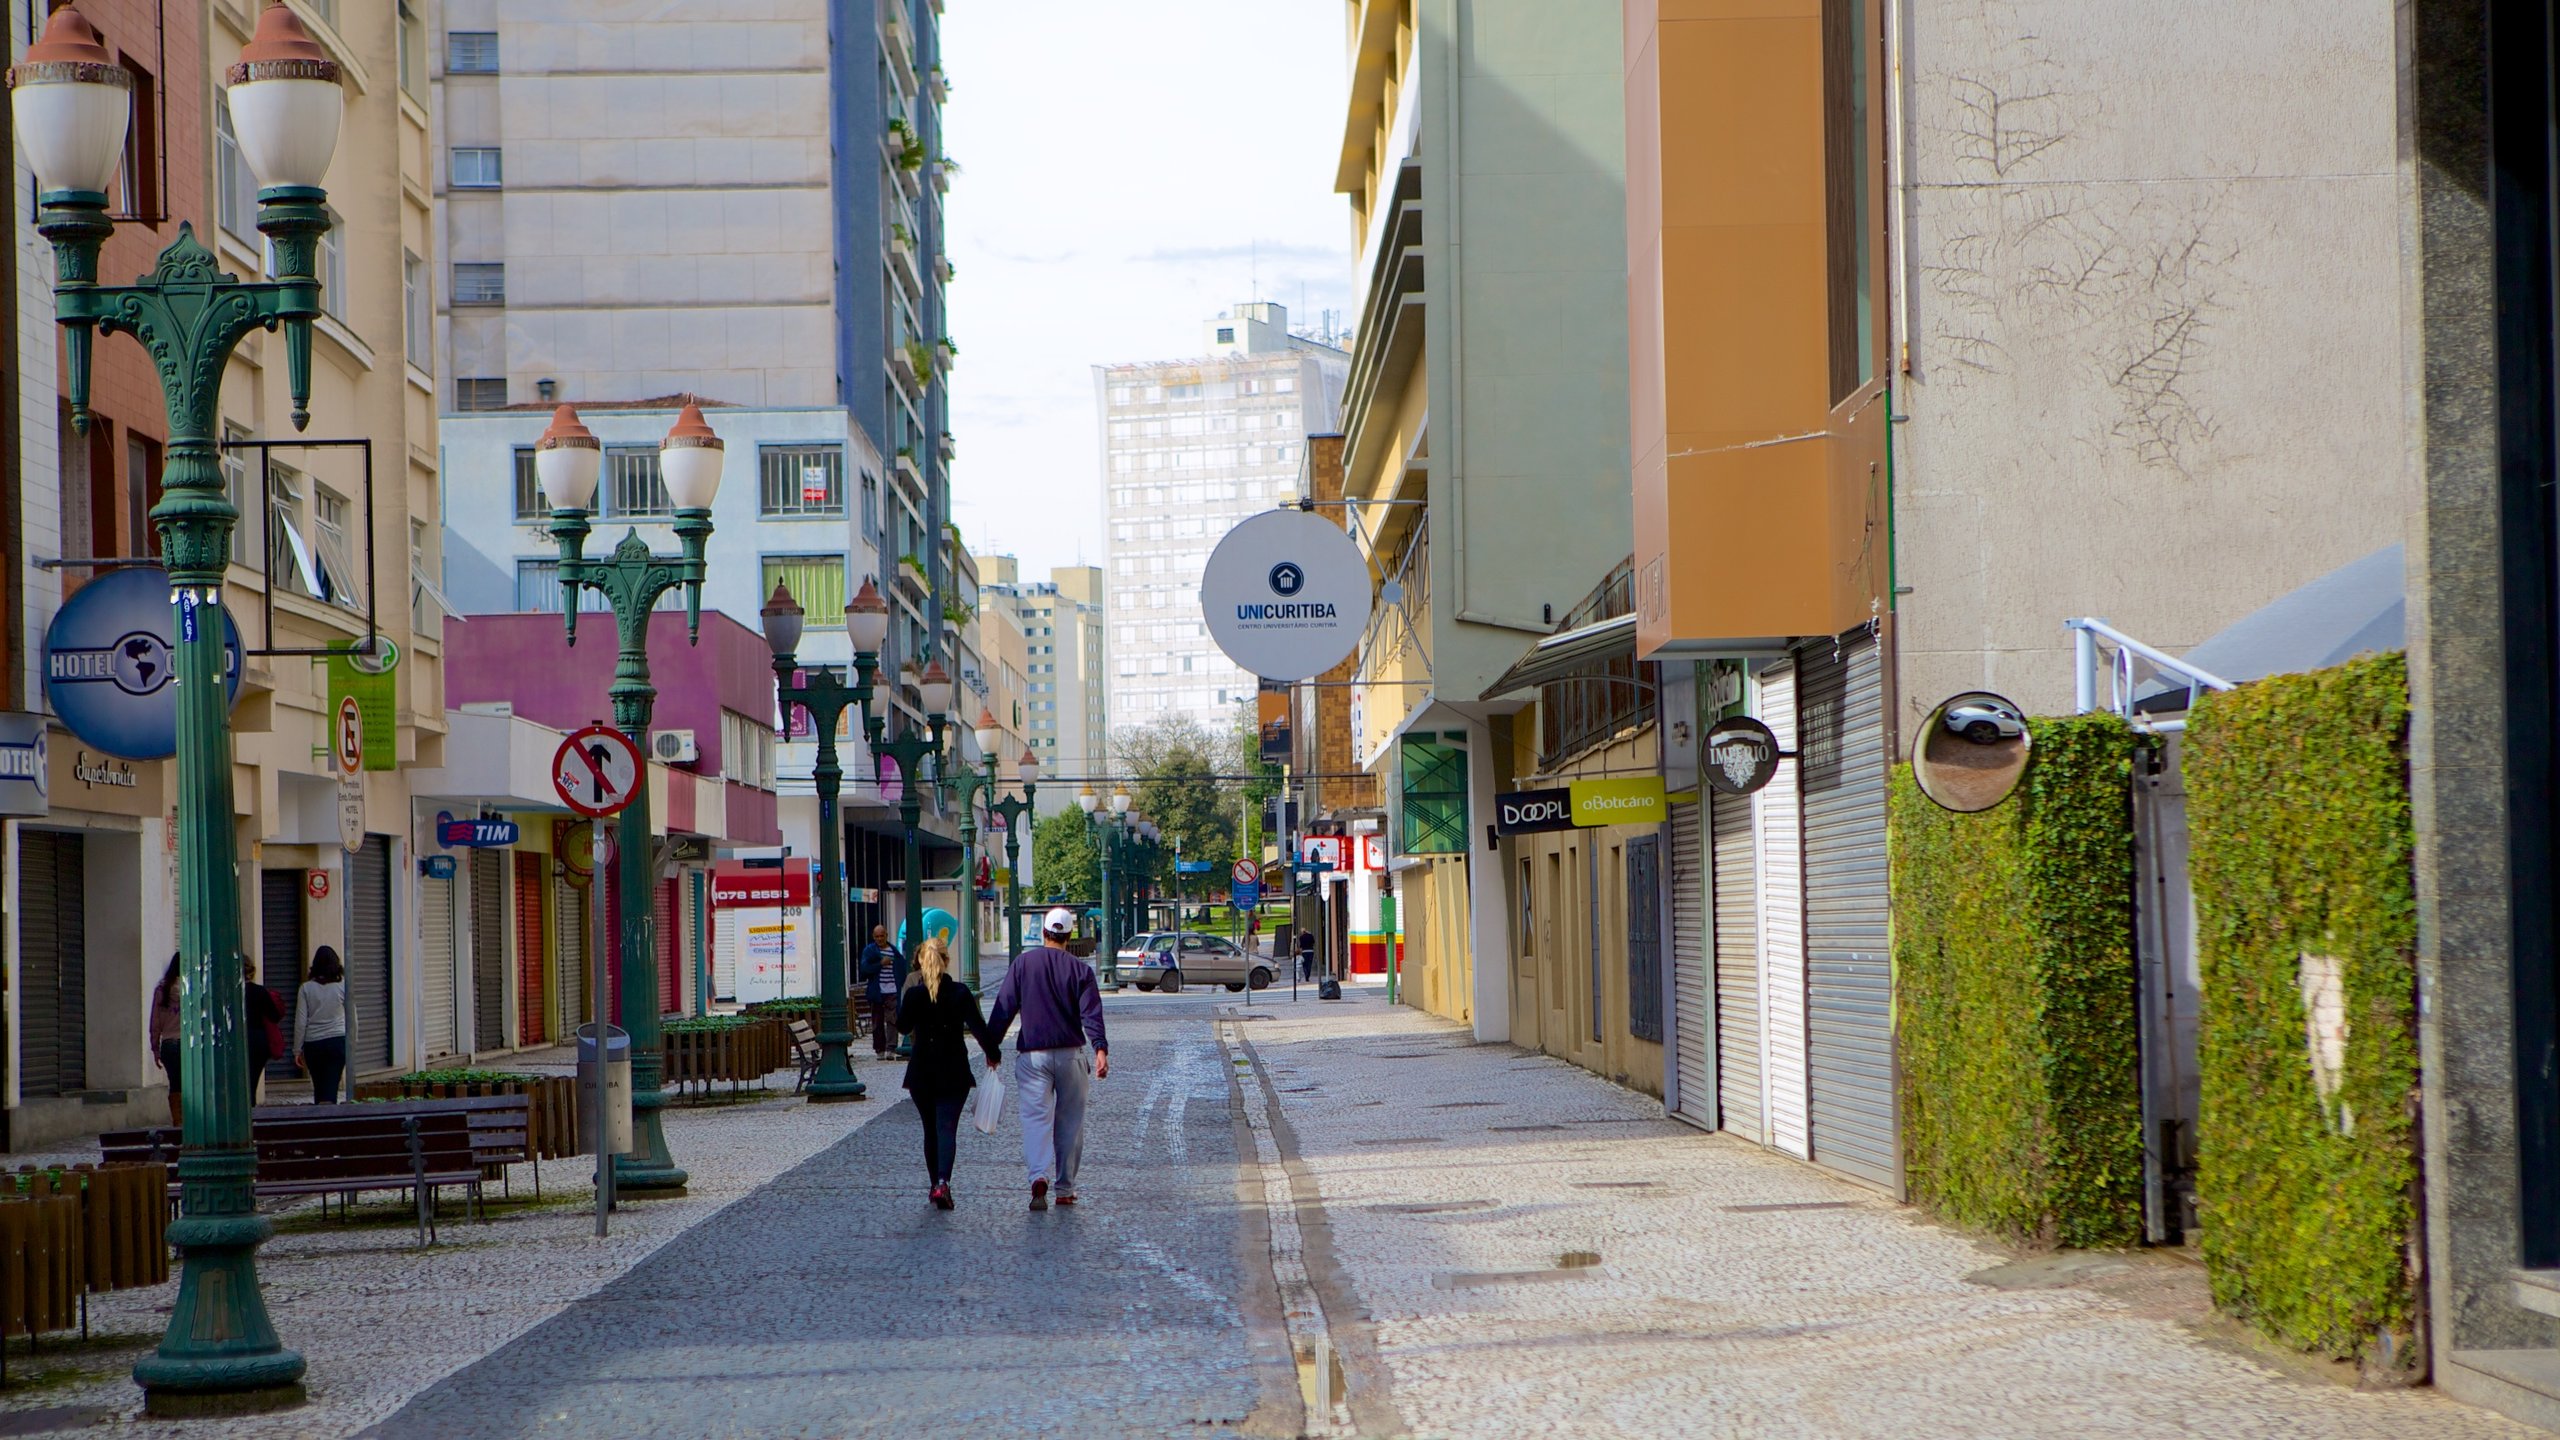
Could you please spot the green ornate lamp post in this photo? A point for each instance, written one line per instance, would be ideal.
(1013, 809)
(971, 781)
(826, 697)
(1109, 966)
(911, 752)
(567, 459)
(72, 103)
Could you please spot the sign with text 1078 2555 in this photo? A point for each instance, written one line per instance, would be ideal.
(110, 662)
(1286, 595)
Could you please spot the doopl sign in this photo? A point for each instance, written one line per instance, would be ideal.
(596, 770)
(1286, 595)
(1529, 812)
(1741, 756)
(483, 833)
(109, 664)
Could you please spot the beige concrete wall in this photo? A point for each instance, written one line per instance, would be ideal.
(2151, 293)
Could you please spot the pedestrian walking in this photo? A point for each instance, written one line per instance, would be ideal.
(1054, 995)
(266, 1024)
(165, 1026)
(882, 974)
(1306, 956)
(940, 1015)
(324, 1025)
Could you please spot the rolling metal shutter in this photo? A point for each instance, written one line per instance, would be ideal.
(435, 955)
(727, 938)
(569, 904)
(488, 951)
(1737, 992)
(1693, 993)
(280, 955)
(369, 954)
(1849, 984)
(670, 951)
(53, 964)
(1778, 814)
(531, 963)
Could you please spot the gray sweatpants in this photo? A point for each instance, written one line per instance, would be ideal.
(1051, 1085)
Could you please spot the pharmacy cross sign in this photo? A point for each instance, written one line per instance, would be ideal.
(596, 770)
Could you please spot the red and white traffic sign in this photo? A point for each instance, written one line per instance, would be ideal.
(596, 770)
(1248, 872)
(350, 736)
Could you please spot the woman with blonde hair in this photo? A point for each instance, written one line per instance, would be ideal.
(941, 1015)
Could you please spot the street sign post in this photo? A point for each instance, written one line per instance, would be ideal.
(350, 757)
(1246, 891)
(595, 772)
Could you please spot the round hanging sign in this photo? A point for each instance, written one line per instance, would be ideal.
(1286, 595)
(1741, 756)
(110, 665)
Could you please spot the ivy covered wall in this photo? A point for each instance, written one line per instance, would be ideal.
(2014, 970)
(2299, 834)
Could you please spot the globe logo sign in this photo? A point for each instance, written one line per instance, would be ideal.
(1287, 579)
(110, 665)
(1286, 595)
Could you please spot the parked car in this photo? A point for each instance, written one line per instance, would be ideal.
(1984, 723)
(1204, 959)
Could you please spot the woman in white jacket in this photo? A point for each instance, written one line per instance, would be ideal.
(324, 1024)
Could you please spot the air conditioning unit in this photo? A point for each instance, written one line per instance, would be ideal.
(676, 747)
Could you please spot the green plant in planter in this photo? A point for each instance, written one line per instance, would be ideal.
(468, 1077)
(920, 357)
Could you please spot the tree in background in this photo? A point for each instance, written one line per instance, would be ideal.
(1267, 777)
(1066, 858)
(1174, 764)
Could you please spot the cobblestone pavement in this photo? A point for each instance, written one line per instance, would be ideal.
(1715, 1288)
(834, 1302)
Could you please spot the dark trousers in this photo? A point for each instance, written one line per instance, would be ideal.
(941, 1116)
(328, 1062)
(884, 1025)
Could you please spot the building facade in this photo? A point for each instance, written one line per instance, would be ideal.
(1190, 447)
(1067, 693)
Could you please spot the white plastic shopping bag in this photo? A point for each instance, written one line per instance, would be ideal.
(988, 1107)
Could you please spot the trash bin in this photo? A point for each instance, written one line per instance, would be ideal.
(616, 1079)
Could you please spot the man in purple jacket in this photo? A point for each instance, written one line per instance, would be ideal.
(1060, 1007)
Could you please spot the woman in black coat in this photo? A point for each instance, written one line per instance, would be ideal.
(940, 1014)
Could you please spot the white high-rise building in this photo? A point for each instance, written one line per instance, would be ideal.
(1067, 718)
(1190, 447)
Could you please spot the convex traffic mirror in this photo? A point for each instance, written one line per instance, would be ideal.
(1971, 751)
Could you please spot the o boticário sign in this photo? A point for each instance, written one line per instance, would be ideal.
(1286, 595)
(110, 665)
(596, 770)
(1628, 800)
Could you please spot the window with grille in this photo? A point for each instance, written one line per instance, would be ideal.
(333, 546)
(416, 308)
(471, 52)
(816, 581)
(476, 167)
(802, 479)
(634, 486)
(235, 186)
(531, 504)
(479, 282)
(479, 392)
(1435, 798)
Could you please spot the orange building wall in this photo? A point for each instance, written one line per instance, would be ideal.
(1758, 514)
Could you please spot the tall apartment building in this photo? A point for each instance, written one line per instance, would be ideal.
(1067, 710)
(320, 559)
(1190, 447)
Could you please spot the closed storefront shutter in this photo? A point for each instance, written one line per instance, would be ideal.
(53, 964)
(570, 906)
(531, 961)
(1692, 990)
(1849, 975)
(280, 952)
(608, 883)
(726, 936)
(368, 954)
(435, 956)
(1778, 814)
(670, 951)
(1737, 963)
(488, 950)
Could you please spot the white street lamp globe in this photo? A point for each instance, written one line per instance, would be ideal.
(866, 619)
(1119, 802)
(285, 102)
(988, 736)
(783, 618)
(566, 460)
(71, 102)
(933, 687)
(1087, 801)
(1027, 769)
(690, 458)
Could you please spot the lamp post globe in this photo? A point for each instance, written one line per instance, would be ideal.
(567, 459)
(1087, 801)
(783, 618)
(933, 690)
(1119, 802)
(1027, 769)
(71, 104)
(866, 619)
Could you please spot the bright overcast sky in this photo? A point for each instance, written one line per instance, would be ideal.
(1122, 163)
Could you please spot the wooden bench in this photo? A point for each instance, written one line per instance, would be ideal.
(421, 1146)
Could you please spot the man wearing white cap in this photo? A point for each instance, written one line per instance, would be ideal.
(1054, 995)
